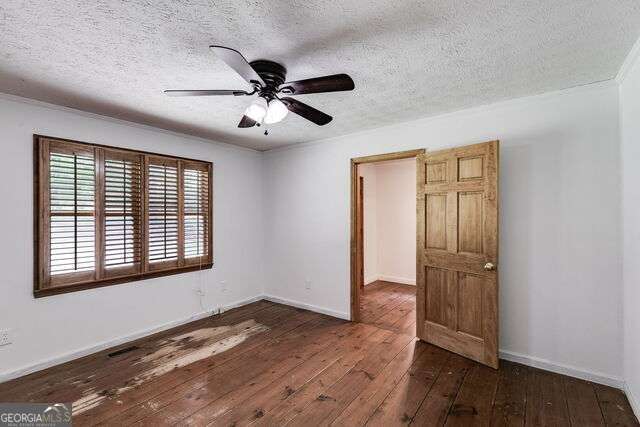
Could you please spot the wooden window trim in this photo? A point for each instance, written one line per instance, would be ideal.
(77, 281)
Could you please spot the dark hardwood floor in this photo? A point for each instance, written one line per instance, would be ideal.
(389, 306)
(267, 364)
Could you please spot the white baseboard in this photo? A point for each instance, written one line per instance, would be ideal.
(370, 280)
(57, 360)
(310, 307)
(572, 371)
(396, 279)
(635, 403)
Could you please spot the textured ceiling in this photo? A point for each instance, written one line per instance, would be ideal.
(409, 59)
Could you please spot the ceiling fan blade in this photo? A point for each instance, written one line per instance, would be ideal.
(205, 92)
(304, 110)
(334, 83)
(235, 60)
(246, 122)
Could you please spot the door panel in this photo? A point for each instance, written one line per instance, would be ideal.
(437, 295)
(470, 222)
(470, 304)
(436, 221)
(457, 257)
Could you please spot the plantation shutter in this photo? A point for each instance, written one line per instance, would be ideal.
(70, 210)
(162, 196)
(107, 215)
(123, 213)
(195, 184)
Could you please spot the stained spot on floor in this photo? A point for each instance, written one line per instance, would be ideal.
(172, 353)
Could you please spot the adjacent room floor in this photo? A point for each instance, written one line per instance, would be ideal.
(390, 306)
(270, 364)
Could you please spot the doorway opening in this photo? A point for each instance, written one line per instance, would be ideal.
(383, 240)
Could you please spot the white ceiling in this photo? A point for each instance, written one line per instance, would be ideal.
(409, 59)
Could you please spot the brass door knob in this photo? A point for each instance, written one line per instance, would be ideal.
(489, 266)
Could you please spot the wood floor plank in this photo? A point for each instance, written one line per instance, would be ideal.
(316, 352)
(395, 314)
(291, 407)
(474, 403)
(546, 399)
(270, 395)
(390, 306)
(375, 311)
(582, 402)
(328, 405)
(435, 406)
(511, 397)
(402, 404)
(615, 406)
(233, 385)
(362, 407)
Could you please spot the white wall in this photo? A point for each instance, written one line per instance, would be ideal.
(390, 221)
(396, 220)
(52, 327)
(560, 274)
(630, 154)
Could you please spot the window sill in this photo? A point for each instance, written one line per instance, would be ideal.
(40, 293)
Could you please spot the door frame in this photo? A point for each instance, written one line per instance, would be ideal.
(355, 244)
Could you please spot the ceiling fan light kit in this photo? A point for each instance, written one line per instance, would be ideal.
(276, 112)
(257, 110)
(268, 81)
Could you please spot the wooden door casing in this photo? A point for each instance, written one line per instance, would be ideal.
(457, 214)
(355, 251)
(360, 222)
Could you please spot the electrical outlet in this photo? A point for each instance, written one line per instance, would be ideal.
(223, 285)
(307, 283)
(5, 337)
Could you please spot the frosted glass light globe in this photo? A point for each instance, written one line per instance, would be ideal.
(257, 110)
(276, 112)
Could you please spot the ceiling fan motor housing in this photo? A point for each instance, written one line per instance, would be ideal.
(271, 72)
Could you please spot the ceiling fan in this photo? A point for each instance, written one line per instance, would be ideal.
(268, 81)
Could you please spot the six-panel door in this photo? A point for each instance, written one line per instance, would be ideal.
(457, 256)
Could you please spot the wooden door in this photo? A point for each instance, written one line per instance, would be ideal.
(457, 250)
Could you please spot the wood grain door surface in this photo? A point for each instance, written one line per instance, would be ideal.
(457, 250)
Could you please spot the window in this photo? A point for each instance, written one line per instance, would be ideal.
(105, 215)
